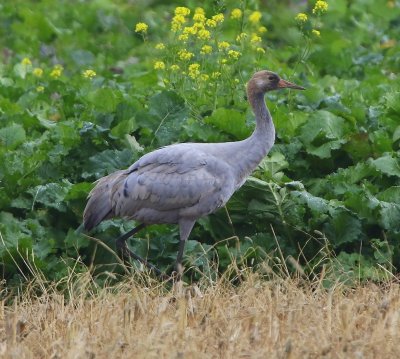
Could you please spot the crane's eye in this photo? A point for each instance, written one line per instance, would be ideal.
(271, 77)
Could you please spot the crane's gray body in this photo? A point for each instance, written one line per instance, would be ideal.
(183, 182)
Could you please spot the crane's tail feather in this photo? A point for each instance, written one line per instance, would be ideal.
(99, 206)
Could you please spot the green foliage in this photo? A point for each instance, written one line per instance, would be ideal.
(82, 95)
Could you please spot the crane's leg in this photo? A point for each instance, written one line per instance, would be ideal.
(126, 253)
(185, 227)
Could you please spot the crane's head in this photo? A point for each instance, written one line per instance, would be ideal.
(263, 81)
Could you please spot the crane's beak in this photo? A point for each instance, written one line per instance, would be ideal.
(287, 84)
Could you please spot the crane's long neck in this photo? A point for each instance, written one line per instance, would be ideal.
(263, 136)
(253, 149)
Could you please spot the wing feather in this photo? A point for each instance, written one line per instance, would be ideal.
(174, 178)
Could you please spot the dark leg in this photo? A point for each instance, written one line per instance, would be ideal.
(121, 240)
(126, 253)
(185, 227)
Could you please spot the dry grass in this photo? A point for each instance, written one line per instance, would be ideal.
(279, 318)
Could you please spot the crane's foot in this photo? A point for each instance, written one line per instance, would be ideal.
(126, 254)
(176, 275)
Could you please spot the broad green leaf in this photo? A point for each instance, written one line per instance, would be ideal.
(21, 202)
(201, 131)
(229, 121)
(393, 101)
(21, 70)
(383, 251)
(391, 194)
(316, 204)
(51, 195)
(75, 240)
(15, 235)
(366, 206)
(124, 128)
(273, 165)
(396, 134)
(82, 58)
(124, 122)
(344, 227)
(381, 141)
(322, 133)
(79, 190)
(350, 268)
(9, 107)
(170, 112)
(324, 151)
(105, 99)
(288, 124)
(37, 23)
(107, 162)
(67, 134)
(390, 216)
(12, 136)
(387, 165)
(345, 179)
(359, 146)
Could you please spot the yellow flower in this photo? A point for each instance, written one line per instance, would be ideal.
(224, 61)
(301, 17)
(175, 27)
(199, 17)
(211, 23)
(236, 14)
(316, 33)
(37, 71)
(199, 10)
(194, 70)
(160, 46)
(57, 71)
(215, 75)
(26, 61)
(236, 81)
(177, 21)
(183, 37)
(204, 35)
(204, 77)
(88, 74)
(40, 89)
(183, 11)
(141, 27)
(260, 50)
(174, 67)
(241, 36)
(206, 49)
(192, 30)
(255, 38)
(255, 17)
(159, 65)
(223, 45)
(262, 30)
(320, 7)
(218, 18)
(185, 55)
(234, 54)
(198, 25)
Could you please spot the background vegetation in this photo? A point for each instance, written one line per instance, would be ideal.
(86, 88)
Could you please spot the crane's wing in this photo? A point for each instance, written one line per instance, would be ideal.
(171, 182)
(99, 205)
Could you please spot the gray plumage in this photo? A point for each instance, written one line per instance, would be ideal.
(183, 182)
